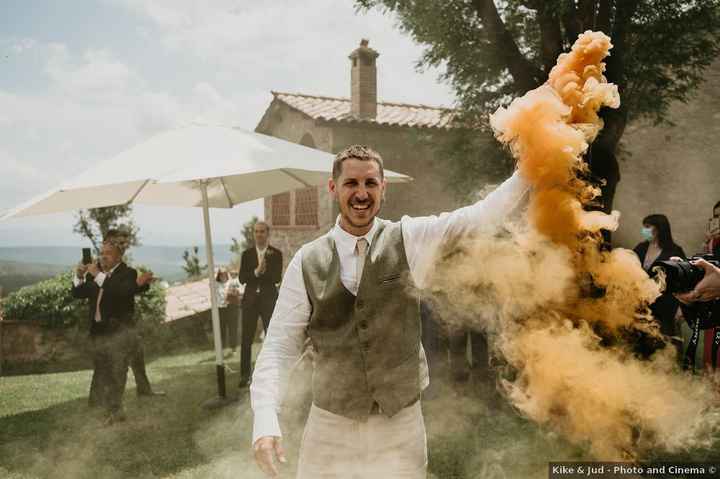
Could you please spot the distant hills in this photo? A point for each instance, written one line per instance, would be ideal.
(21, 266)
(14, 275)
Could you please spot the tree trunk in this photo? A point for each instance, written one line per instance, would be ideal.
(604, 166)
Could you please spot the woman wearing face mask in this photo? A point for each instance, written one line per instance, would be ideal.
(659, 246)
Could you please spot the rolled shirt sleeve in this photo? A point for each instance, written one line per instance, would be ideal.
(424, 235)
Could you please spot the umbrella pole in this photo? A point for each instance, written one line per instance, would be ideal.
(217, 339)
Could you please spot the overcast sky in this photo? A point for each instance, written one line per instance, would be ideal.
(82, 80)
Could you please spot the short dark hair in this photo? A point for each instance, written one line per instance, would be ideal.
(662, 225)
(220, 271)
(356, 152)
(716, 205)
(117, 239)
(267, 226)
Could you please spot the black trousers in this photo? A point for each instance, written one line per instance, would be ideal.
(250, 314)
(110, 354)
(432, 341)
(229, 318)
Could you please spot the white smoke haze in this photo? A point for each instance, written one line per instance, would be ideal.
(561, 311)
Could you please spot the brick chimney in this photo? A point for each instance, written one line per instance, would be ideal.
(363, 81)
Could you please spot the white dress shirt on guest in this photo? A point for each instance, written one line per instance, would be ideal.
(422, 236)
(260, 253)
(99, 278)
(221, 293)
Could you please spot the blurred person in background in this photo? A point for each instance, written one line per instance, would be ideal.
(228, 304)
(260, 272)
(658, 245)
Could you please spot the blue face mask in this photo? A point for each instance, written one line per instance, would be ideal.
(647, 233)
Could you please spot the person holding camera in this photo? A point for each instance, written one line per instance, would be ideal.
(701, 308)
(708, 289)
(659, 246)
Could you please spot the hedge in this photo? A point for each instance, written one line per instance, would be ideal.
(51, 302)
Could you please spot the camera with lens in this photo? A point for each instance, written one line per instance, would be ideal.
(682, 276)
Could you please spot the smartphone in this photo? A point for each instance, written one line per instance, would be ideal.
(86, 256)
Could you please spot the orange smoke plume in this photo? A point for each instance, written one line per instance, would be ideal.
(561, 308)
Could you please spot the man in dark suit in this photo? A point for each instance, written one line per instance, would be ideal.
(137, 362)
(260, 272)
(110, 288)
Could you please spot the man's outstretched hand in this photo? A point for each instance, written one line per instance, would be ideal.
(145, 278)
(265, 449)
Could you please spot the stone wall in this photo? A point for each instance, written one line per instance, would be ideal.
(673, 170)
(30, 346)
(285, 123)
(406, 150)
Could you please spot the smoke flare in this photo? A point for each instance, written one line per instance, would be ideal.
(563, 312)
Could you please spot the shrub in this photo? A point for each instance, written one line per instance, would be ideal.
(150, 313)
(51, 301)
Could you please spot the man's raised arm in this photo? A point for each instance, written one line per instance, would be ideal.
(423, 235)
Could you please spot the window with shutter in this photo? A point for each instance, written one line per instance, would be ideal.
(281, 209)
(306, 207)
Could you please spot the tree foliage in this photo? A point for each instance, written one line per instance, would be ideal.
(247, 240)
(193, 268)
(494, 51)
(94, 224)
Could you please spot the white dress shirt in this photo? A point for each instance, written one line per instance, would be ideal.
(99, 278)
(260, 253)
(422, 236)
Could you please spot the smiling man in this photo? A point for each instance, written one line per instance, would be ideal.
(351, 292)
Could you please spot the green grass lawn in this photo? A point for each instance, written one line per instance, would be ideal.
(48, 431)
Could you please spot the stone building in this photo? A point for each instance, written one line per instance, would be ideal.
(401, 133)
(672, 170)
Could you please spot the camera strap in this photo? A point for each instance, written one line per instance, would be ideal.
(715, 347)
(692, 346)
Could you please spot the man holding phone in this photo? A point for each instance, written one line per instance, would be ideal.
(110, 287)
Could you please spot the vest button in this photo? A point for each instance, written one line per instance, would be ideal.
(363, 324)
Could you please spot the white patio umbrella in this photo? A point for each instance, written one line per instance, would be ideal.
(198, 165)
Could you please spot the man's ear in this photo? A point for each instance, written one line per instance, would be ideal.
(332, 188)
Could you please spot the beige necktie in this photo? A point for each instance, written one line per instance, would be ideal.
(360, 250)
(98, 318)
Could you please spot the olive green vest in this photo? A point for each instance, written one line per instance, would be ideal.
(367, 348)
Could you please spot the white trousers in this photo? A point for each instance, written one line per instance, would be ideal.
(335, 447)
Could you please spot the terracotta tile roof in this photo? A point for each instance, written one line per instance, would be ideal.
(187, 299)
(390, 114)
